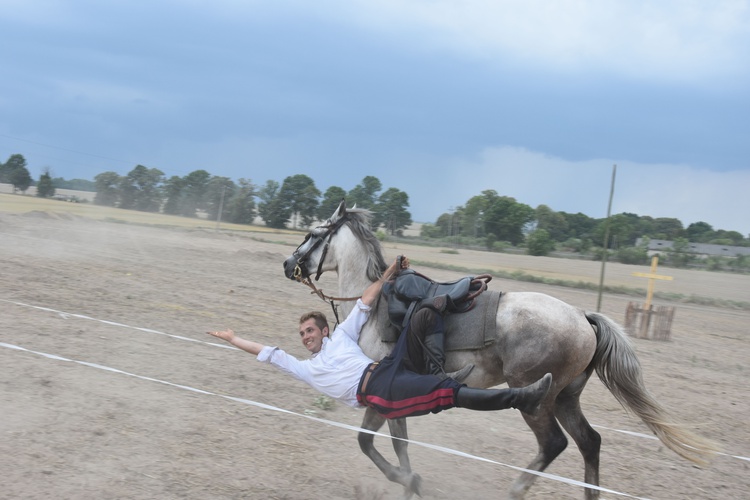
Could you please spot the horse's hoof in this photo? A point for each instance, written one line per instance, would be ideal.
(415, 485)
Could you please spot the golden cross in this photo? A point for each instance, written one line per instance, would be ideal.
(651, 277)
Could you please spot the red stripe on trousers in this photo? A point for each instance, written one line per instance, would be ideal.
(435, 398)
(444, 402)
(438, 394)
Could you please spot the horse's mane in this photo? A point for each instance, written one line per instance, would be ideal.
(358, 220)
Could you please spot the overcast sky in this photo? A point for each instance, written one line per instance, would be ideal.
(441, 99)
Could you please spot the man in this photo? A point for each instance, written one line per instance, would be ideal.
(338, 368)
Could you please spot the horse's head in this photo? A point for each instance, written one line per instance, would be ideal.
(313, 256)
(312, 252)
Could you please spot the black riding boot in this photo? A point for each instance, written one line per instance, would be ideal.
(434, 357)
(526, 399)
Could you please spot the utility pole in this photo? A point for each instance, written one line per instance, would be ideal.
(606, 239)
(221, 207)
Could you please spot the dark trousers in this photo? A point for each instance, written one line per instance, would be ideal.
(424, 322)
(394, 389)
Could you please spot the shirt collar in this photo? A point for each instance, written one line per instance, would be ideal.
(325, 341)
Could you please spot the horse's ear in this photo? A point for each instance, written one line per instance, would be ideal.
(340, 211)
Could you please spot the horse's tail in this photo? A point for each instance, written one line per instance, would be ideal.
(618, 368)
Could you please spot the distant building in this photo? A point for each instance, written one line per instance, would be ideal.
(701, 250)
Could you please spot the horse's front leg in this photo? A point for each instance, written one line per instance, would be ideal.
(401, 475)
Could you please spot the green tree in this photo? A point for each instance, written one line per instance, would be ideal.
(391, 209)
(107, 189)
(331, 199)
(699, 232)
(14, 172)
(242, 204)
(539, 243)
(622, 230)
(45, 188)
(734, 237)
(506, 219)
(127, 193)
(489, 240)
(174, 192)
(140, 189)
(580, 226)
(475, 212)
(272, 208)
(665, 228)
(679, 255)
(309, 207)
(634, 227)
(577, 245)
(471, 220)
(194, 193)
(444, 225)
(553, 222)
(430, 231)
(364, 195)
(632, 255)
(7, 167)
(642, 226)
(741, 262)
(300, 195)
(220, 191)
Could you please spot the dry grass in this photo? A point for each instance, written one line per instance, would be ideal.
(17, 204)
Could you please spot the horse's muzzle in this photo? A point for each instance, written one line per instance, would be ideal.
(290, 266)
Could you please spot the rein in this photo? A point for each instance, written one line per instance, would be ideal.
(325, 298)
(317, 291)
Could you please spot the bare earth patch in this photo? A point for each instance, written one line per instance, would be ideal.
(139, 299)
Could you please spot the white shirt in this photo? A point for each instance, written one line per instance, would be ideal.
(337, 368)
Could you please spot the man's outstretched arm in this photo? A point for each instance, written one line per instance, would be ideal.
(245, 345)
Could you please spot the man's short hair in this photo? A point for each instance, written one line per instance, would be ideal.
(320, 319)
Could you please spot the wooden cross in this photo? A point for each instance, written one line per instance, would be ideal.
(652, 276)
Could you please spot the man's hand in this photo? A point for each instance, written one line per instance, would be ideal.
(401, 262)
(227, 335)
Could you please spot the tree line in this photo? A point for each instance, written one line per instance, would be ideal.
(502, 219)
(295, 202)
(499, 222)
(487, 220)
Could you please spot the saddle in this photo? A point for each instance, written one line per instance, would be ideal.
(410, 291)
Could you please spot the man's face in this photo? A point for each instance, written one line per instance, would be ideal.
(312, 336)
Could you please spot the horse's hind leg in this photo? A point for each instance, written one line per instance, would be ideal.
(568, 412)
(551, 441)
(401, 475)
(399, 439)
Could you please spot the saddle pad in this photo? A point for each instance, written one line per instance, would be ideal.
(475, 329)
(466, 331)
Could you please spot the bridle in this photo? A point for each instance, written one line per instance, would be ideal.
(300, 272)
(330, 230)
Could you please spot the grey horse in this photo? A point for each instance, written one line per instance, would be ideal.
(536, 334)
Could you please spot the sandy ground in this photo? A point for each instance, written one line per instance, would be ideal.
(130, 305)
